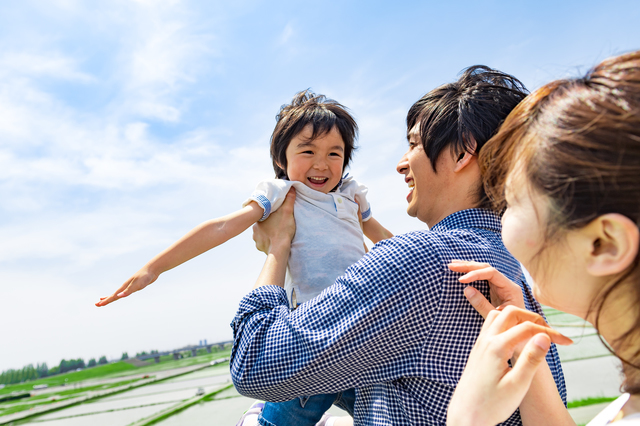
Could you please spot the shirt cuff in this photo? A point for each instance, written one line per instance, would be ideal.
(264, 203)
(263, 298)
(366, 215)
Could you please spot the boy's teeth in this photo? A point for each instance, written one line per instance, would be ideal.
(318, 180)
(411, 185)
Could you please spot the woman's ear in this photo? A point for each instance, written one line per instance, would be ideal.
(614, 244)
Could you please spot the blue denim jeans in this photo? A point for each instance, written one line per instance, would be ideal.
(305, 410)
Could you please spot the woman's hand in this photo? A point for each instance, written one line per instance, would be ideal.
(489, 390)
(279, 228)
(503, 291)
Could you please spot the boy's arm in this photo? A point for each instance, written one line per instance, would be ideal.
(203, 237)
(374, 231)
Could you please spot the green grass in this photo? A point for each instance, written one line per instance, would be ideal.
(590, 401)
(62, 395)
(101, 371)
(117, 369)
(181, 407)
(184, 362)
(114, 370)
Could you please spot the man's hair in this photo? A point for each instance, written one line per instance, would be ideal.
(322, 114)
(465, 114)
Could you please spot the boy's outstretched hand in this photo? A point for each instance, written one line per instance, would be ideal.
(137, 282)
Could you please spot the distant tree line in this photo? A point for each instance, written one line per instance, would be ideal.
(143, 353)
(30, 372)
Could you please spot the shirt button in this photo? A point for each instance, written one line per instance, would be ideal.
(339, 200)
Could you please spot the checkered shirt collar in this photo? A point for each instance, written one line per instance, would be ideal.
(471, 218)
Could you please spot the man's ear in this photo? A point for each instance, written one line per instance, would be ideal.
(614, 240)
(463, 159)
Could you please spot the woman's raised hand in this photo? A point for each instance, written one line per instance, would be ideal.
(503, 291)
(490, 390)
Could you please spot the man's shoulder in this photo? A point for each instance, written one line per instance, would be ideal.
(437, 237)
(443, 246)
(411, 248)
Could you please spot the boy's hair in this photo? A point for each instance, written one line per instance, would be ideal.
(322, 114)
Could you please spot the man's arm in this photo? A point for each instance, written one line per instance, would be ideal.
(353, 334)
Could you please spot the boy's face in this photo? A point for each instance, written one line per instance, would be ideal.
(317, 163)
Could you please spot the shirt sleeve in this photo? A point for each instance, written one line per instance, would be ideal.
(364, 329)
(269, 194)
(358, 191)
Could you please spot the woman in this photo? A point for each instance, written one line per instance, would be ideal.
(566, 166)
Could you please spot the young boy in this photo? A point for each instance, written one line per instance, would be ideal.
(311, 145)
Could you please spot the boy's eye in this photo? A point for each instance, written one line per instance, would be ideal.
(336, 154)
(307, 152)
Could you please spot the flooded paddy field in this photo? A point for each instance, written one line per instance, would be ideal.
(191, 391)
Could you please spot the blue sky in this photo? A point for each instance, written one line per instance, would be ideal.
(123, 124)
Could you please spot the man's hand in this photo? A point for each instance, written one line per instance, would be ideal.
(137, 282)
(279, 228)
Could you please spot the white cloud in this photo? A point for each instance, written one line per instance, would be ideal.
(286, 34)
(42, 64)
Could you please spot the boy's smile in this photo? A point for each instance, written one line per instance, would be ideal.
(317, 163)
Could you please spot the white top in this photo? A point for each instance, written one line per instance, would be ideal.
(608, 414)
(328, 236)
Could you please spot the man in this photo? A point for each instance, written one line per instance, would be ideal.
(396, 326)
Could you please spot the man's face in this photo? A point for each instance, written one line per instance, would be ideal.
(427, 189)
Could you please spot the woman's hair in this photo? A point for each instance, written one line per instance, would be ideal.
(577, 142)
(322, 114)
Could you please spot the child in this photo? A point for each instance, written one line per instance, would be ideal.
(311, 145)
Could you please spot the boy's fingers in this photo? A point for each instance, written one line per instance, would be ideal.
(120, 293)
(478, 301)
(105, 301)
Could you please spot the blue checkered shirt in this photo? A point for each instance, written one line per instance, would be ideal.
(396, 326)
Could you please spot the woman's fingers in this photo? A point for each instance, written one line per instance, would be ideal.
(475, 271)
(478, 301)
(503, 290)
(530, 358)
(514, 336)
(523, 321)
